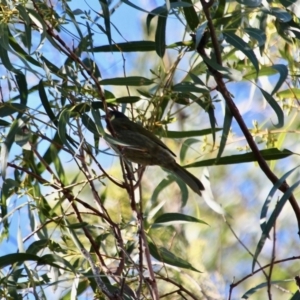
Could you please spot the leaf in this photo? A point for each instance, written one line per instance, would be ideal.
(226, 129)
(6, 61)
(27, 22)
(185, 147)
(262, 285)
(6, 146)
(160, 34)
(37, 246)
(106, 16)
(164, 255)
(283, 73)
(191, 16)
(189, 87)
(199, 33)
(229, 73)
(8, 109)
(40, 24)
(268, 226)
(183, 189)
(273, 103)
(22, 86)
(92, 66)
(257, 34)
(250, 3)
(89, 124)
(63, 121)
(185, 134)
(134, 46)
(241, 45)
(45, 102)
(177, 218)
(264, 210)
(267, 154)
(281, 14)
(11, 259)
(125, 99)
(20, 51)
(134, 6)
(264, 71)
(162, 185)
(130, 81)
(289, 93)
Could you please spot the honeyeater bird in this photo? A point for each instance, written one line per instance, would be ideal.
(139, 145)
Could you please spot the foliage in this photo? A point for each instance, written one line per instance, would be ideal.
(78, 221)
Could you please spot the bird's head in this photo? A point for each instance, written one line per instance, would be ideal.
(114, 114)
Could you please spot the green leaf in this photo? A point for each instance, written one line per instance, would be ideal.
(92, 66)
(199, 33)
(241, 45)
(11, 259)
(164, 255)
(134, 46)
(40, 24)
(189, 87)
(160, 34)
(273, 103)
(185, 134)
(6, 146)
(162, 185)
(106, 16)
(53, 260)
(267, 154)
(229, 73)
(6, 61)
(226, 129)
(191, 16)
(8, 109)
(250, 3)
(183, 189)
(264, 71)
(22, 86)
(89, 124)
(27, 22)
(268, 226)
(63, 121)
(283, 73)
(264, 285)
(257, 34)
(160, 10)
(130, 81)
(281, 14)
(134, 6)
(37, 246)
(125, 99)
(177, 218)
(185, 147)
(45, 102)
(289, 93)
(20, 51)
(266, 205)
(220, 10)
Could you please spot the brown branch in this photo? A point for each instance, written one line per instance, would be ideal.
(236, 114)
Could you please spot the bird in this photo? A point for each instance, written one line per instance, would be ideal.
(139, 145)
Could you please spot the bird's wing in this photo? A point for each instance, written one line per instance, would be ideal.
(153, 137)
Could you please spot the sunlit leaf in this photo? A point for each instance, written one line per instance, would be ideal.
(131, 81)
(267, 154)
(241, 45)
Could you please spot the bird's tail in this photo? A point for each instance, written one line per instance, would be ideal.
(192, 181)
